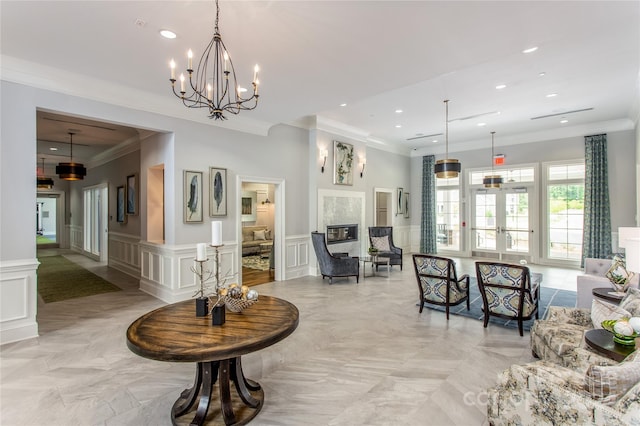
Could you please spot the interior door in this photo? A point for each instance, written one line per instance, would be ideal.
(501, 222)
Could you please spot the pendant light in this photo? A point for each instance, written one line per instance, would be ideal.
(449, 167)
(44, 182)
(71, 170)
(493, 180)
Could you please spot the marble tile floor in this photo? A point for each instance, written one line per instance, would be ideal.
(362, 355)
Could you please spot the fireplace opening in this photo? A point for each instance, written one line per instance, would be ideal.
(342, 233)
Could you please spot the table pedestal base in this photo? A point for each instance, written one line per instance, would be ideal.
(236, 409)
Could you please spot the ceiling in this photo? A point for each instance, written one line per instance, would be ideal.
(375, 56)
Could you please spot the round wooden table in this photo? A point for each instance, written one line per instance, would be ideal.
(174, 333)
(601, 341)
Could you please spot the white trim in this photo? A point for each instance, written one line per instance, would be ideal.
(18, 298)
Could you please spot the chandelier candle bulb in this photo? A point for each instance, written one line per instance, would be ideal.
(189, 60)
(201, 252)
(172, 65)
(182, 83)
(255, 73)
(226, 61)
(216, 233)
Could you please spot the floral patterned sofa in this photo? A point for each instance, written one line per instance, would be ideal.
(571, 384)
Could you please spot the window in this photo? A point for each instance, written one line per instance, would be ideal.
(448, 214)
(565, 210)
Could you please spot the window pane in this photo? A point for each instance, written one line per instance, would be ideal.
(565, 214)
(448, 218)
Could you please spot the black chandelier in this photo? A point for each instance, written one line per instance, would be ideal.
(214, 85)
(449, 167)
(492, 180)
(71, 170)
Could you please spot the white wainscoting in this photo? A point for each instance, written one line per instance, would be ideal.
(296, 256)
(18, 300)
(76, 236)
(165, 271)
(124, 253)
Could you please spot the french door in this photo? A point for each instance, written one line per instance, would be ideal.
(501, 222)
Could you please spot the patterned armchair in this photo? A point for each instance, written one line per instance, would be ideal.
(507, 292)
(381, 237)
(332, 266)
(438, 282)
(542, 393)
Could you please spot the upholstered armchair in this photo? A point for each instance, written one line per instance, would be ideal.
(543, 393)
(595, 276)
(332, 266)
(381, 237)
(507, 292)
(438, 282)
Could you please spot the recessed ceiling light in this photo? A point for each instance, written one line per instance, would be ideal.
(343, 105)
(53, 149)
(398, 126)
(530, 50)
(552, 95)
(564, 120)
(482, 124)
(398, 111)
(501, 86)
(167, 34)
(435, 140)
(542, 74)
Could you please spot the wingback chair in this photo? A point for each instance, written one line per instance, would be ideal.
(438, 282)
(507, 292)
(381, 237)
(332, 266)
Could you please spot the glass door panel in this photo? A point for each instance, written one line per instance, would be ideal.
(516, 231)
(484, 228)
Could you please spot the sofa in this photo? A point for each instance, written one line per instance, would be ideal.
(253, 236)
(595, 276)
(570, 384)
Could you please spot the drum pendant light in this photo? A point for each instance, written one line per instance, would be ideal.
(449, 167)
(43, 181)
(493, 180)
(71, 170)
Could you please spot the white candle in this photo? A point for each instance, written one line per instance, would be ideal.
(216, 233)
(172, 65)
(182, 83)
(226, 60)
(255, 73)
(189, 60)
(201, 251)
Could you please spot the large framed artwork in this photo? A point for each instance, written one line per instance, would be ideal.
(121, 201)
(342, 163)
(192, 196)
(400, 202)
(132, 194)
(217, 192)
(407, 209)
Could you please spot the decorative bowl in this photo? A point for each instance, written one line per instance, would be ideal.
(236, 304)
(626, 340)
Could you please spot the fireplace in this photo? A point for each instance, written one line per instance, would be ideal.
(342, 233)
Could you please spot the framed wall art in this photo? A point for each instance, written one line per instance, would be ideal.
(121, 201)
(248, 206)
(342, 163)
(217, 192)
(132, 194)
(192, 197)
(400, 201)
(407, 206)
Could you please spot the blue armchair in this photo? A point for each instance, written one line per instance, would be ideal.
(333, 266)
(381, 237)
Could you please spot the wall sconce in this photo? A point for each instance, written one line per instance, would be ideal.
(323, 155)
(362, 164)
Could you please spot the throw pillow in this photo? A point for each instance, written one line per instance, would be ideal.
(259, 235)
(381, 243)
(631, 302)
(601, 311)
(608, 383)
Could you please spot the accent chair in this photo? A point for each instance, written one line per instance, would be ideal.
(381, 237)
(507, 292)
(438, 282)
(333, 266)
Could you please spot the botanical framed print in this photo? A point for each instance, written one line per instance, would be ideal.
(217, 192)
(121, 201)
(342, 163)
(407, 209)
(132, 194)
(192, 196)
(400, 201)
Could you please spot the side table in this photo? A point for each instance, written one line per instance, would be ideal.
(373, 259)
(608, 294)
(601, 341)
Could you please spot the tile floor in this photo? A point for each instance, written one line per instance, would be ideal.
(362, 355)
